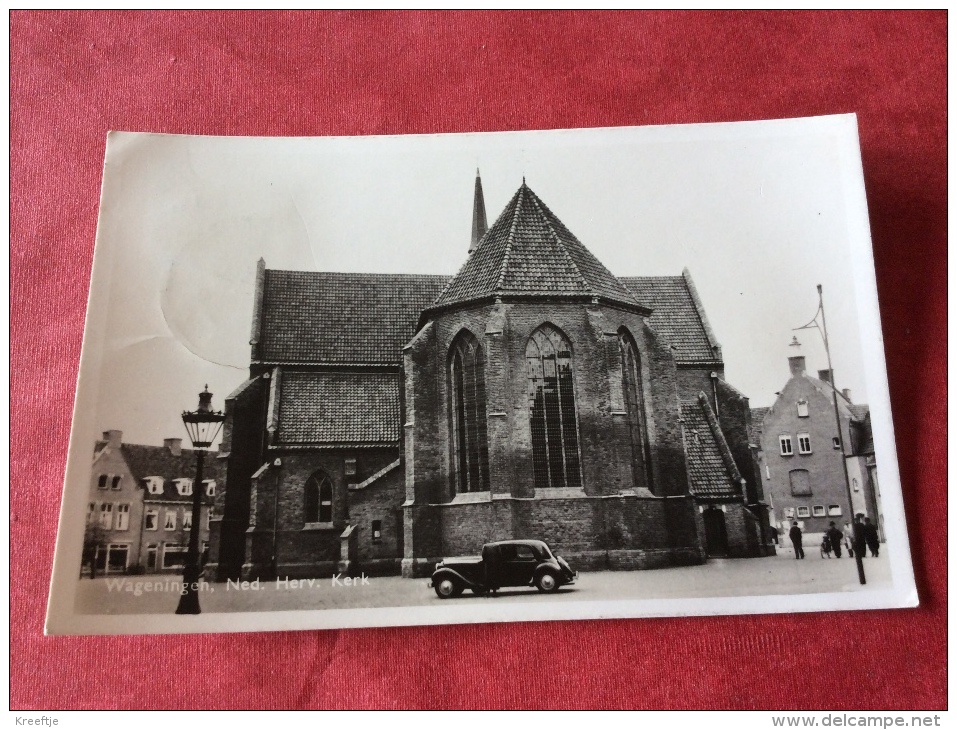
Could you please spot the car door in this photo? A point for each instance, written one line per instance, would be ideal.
(521, 565)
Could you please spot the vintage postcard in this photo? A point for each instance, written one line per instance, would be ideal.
(344, 382)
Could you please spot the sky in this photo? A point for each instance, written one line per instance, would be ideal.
(759, 212)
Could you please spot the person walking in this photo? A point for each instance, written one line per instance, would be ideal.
(836, 537)
(796, 538)
(849, 539)
(826, 546)
(871, 537)
(859, 539)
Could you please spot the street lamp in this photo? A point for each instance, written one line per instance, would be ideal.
(203, 426)
(822, 329)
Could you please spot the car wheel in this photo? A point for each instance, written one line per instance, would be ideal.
(546, 583)
(447, 588)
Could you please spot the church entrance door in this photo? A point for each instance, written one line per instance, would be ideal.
(715, 532)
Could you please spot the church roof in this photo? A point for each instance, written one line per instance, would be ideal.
(325, 408)
(677, 315)
(332, 318)
(757, 424)
(528, 251)
(319, 317)
(859, 410)
(711, 469)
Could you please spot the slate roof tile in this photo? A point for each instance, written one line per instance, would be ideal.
(674, 315)
(339, 408)
(529, 251)
(319, 317)
(859, 410)
(706, 468)
(757, 424)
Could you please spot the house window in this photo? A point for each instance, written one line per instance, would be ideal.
(350, 465)
(154, 485)
(117, 557)
(122, 517)
(802, 408)
(836, 442)
(151, 551)
(800, 482)
(789, 512)
(184, 487)
(151, 519)
(174, 555)
(187, 519)
(818, 510)
(106, 515)
(635, 409)
(209, 514)
(210, 485)
(551, 395)
(468, 427)
(855, 486)
(786, 448)
(101, 482)
(803, 512)
(804, 443)
(376, 530)
(170, 523)
(115, 483)
(318, 498)
(91, 513)
(834, 510)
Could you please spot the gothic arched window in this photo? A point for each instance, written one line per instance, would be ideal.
(318, 498)
(635, 409)
(551, 396)
(467, 417)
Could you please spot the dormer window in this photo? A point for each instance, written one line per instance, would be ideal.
(184, 487)
(154, 485)
(101, 483)
(802, 408)
(210, 485)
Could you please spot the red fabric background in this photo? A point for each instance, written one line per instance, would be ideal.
(76, 75)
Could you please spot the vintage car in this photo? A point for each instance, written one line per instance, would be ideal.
(503, 564)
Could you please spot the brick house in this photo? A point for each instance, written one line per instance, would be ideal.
(801, 453)
(140, 506)
(392, 420)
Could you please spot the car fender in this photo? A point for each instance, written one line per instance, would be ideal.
(450, 573)
(548, 567)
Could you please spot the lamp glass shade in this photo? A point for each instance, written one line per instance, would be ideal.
(203, 424)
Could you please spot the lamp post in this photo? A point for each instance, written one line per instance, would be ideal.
(822, 329)
(203, 426)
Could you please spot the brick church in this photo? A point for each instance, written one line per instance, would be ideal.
(392, 420)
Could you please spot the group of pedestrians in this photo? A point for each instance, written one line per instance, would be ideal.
(859, 538)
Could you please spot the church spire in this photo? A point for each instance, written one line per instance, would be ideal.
(479, 224)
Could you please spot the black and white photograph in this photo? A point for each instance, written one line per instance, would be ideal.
(468, 378)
